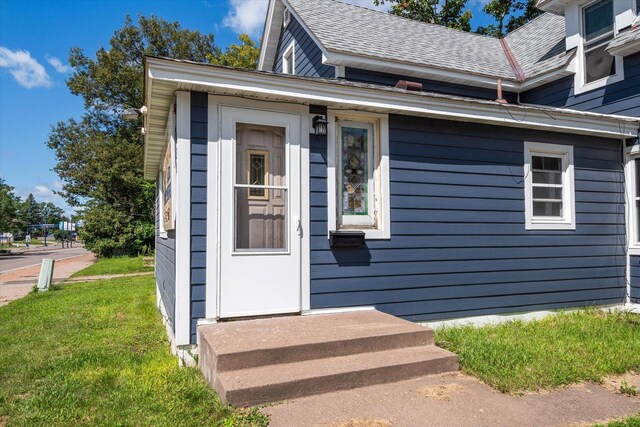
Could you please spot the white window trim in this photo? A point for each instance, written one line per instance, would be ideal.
(381, 173)
(565, 152)
(579, 81)
(633, 153)
(162, 233)
(290, 50)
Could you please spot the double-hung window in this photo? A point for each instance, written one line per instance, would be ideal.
(358, 169)
(549, 186)
(598, 67)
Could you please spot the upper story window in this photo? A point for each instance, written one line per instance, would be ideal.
(598, 32)
(289, 60)
(549, 187)
(597, 67)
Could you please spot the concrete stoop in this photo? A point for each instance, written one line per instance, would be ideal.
(251, 362)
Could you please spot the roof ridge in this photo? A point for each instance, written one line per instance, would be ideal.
(414, 20)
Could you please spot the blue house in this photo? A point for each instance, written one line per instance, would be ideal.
(376, 161)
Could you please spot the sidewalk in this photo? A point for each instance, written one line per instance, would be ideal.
(18, 283)
(456, 400)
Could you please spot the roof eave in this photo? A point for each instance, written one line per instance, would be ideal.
(554, 6)
(170, 75)
(270, 36)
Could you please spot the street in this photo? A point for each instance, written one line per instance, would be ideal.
(23, 257)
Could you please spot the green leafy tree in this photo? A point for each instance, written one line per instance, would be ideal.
(30, 211)
(450, 13)
(509, 15)
(9, 209)
(100, 156)
(243, 55)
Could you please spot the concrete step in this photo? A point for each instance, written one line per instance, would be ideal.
(274, 383)
(231, 346)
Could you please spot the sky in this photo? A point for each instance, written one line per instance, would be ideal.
(35, 38)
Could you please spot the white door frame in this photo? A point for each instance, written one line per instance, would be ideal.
(213, 273)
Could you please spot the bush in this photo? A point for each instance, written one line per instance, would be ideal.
(109, 232)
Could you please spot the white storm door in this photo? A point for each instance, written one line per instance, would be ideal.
(260, 231)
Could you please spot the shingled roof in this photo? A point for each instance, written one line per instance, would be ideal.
(339, 27)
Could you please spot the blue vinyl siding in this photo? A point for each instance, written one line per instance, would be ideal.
(635, 278)
(375, 77)
(622, 98)
(459, 246)
(199, 137)
(166, 267)
(308, 57)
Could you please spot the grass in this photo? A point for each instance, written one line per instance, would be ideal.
(528, 356)
(97, 354)
(117, 265)
(633, 421)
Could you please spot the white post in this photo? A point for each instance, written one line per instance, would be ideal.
(46, 275)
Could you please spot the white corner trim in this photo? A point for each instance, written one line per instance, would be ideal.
(183, 220)
(213, 201)
(305, 214)
(564, 152)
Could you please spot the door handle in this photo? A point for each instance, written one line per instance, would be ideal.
(298, 226)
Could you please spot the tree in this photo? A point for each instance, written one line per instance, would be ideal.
(244, 55)
(9, 206)
(518, 13)
(450, 13)
(30, 211)
(99, 157)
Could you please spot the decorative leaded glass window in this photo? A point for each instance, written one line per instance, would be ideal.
(258, 173)
(354, 171)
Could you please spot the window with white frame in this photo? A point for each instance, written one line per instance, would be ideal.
(359, 173)
(549, 186)
(633, 191)
(598, 67)
(289, 60)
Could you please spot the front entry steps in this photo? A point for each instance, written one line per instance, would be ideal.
(251, 362)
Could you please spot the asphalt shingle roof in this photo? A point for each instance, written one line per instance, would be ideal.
(539, 46)
(630, 35)
(356, 30)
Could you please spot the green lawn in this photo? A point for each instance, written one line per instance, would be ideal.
(566, 348)
(117, 265)
(97, 354)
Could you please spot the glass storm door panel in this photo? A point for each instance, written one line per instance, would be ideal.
(259, 213)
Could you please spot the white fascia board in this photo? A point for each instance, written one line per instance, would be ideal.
(373, 64)
(270, 36)
(306, 91)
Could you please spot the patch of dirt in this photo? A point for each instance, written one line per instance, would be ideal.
(440, 392)
(365, 422)
(614, 382)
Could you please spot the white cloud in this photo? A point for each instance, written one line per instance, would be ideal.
(58, 65)
(247, 16)
(44, 192)
(28, 72)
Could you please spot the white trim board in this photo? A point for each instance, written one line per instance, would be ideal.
(171, 75)
(496, 319)
(182, 177)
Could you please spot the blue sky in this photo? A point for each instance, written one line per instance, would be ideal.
(35, 38)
